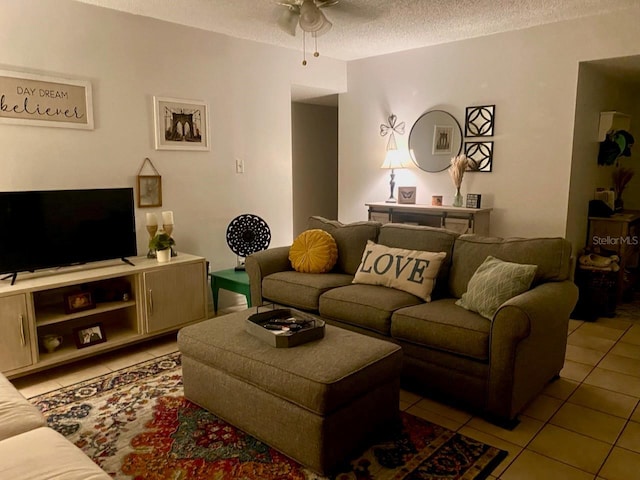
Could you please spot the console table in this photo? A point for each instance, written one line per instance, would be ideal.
(459, 219)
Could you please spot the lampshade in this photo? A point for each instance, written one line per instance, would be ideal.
(288, 21)
(312, 19)
(394, 159)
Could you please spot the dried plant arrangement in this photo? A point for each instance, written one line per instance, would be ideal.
(621, 176)
(458, 166)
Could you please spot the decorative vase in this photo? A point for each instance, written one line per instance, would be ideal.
(163, 256)
(618, 204)
(51, 342)
(457, 199)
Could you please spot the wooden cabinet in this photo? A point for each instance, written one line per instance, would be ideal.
(174, 297)
(15, 341)
(458, 219)
(132, 304)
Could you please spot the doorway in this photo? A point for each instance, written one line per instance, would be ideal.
(314, 134)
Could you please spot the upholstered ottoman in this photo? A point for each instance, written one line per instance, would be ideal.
(318, 403)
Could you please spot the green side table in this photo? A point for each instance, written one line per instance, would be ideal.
(233, 280)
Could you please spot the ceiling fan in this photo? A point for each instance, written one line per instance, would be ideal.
(307, 15)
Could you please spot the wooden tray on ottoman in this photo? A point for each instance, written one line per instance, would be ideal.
(313, 329)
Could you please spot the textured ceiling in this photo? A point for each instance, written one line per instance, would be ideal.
(365, 28)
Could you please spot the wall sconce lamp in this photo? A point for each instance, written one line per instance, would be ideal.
(394, 159)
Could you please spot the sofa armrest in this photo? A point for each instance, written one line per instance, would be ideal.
(261, 264)
(527, 345)
(17, 415)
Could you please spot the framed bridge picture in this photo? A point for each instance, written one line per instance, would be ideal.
(181, 124)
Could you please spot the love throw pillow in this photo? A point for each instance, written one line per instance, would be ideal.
(412, 271)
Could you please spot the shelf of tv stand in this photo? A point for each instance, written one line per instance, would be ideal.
(68, 350)
(51, 315)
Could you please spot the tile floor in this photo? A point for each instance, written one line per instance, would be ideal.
(585, 425)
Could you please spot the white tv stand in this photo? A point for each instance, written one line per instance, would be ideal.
(161, 298)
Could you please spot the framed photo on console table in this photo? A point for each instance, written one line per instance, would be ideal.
(407, 195)
(89, 335)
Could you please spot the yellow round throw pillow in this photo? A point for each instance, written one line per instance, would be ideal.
(313, 251)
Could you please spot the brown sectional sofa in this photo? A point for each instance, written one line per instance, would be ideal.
(492, 366)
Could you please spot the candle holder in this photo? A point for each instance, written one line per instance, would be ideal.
(168, 229)
(152, 230)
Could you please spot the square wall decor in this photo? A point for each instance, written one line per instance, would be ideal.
(181, 124)
(479, 121)
(480, 155)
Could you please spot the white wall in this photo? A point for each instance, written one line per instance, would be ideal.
(531, 77)
(128, 60)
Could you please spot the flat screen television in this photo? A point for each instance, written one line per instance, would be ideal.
(54, 228)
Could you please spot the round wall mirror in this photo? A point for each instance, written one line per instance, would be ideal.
(434, 139)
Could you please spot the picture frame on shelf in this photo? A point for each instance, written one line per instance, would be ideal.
(89, 335)
(149, 191)
(407, 195)
(474, 200)
(77, 302)
(436, 200)
(181, 124)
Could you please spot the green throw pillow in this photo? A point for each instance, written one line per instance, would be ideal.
(494, 282)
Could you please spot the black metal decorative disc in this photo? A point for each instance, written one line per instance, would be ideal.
(247, 234)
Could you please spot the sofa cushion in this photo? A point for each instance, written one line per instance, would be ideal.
(411, 271)
(444, 326)
(426, 239)
(494, 283)
(44, 453)
(301, 290)
(351, 239)
(17, 415)
(551, 255)
(313, 251)
(365, 306)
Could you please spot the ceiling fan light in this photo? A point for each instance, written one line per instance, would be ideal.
(288, 21)
(311, 18)
(324, 29)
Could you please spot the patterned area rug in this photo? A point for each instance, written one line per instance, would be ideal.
(136, 424)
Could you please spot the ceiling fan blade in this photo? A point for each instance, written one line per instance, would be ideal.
(288, 20)
(326, 3)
